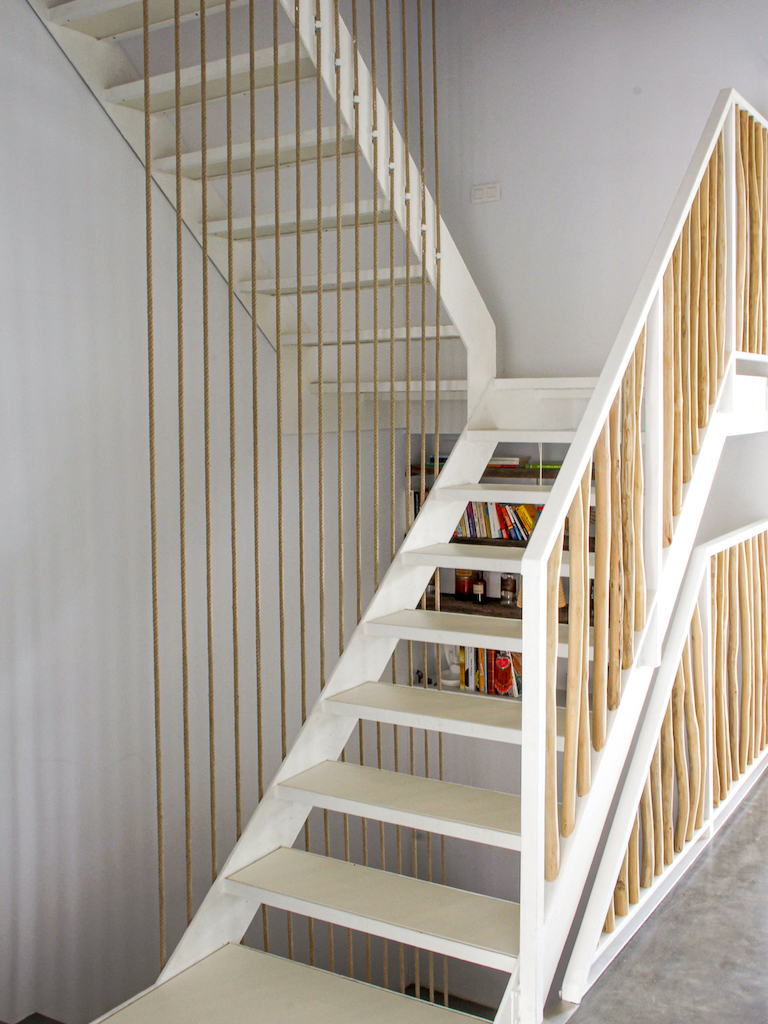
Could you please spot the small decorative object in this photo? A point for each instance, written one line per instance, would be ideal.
(503, 674)
(478, 590)
(463, 587)
(507, 589)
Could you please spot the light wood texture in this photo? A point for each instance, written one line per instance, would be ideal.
(731, 561)
(757, 648)
(464, 812)
(744, 140)
(602, 563)
(668, 784)
(712, 226)
(763, 543)
(741, 230)
(751, 662)
(668, 398)
(616, 587)
(449, 921)
(627, 514)
(745, 617)
(638, 500)
(584, 768)
(681, 760)
(720, 609)
(658, 811)
(646, 819)
(722, 257)
(699, 693)
(462, 714)
(551, 825)
(692, 735)
(610, 920)
(227, 986)
(703, 315)
(621, 895)
(633, 864)
(695, 275)
(678, 434)
(685, 347)
(755, 235)
(764, 241)
(576, 613)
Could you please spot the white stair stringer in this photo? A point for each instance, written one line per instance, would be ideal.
(223, 917)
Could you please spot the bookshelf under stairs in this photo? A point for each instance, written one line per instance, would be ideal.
(688, 369)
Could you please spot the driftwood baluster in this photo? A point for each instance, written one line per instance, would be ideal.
(658, 811)
(679, 458)
(646, 819)
(551, 837)
(621, 893)
(584, 767)
(712, 280)
(668, 292)
(639, 487)
(703, 314)
(757, 648)
(681, 760)
(576, 613)
(633, 865)
(692, 733)
(755, 234)
(746, 657)
(764, 602)
(744, 141)
(685, 347)
(602, 579)
(695, 271)
(616, 586)
(627, 514)
(741, 233)
(731, 559)
(699, 693)
(764, 223)
(668, 784)
(721, 257)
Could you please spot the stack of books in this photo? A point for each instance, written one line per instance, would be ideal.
(498, 673)
(493, 520)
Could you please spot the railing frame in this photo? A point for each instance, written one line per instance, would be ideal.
(548, 912)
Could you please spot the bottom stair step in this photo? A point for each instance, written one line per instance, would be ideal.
(452, 922)
(237, 985)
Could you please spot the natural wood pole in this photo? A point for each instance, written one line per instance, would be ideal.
(743, 294)
(584, 768)
(669, 387)
(602, 578)
(741, 234)
(720, 603)
(694, 751)
(639, 488)
(610, 919)
(616, 586)
(658, 811)
(764, 605)
(678, 438)
(627, 514)
(576, 612)
(668, 784)
(748, 546)
(551, 836)
(703, 315)
(695, 275)
(731, 562)
(699, 694)
(685, 348)
(681, 765)
(646, 818)
(633, 865)
(757, 620)
(621, 894)
(755, 234)
(746, 656)
(764, 223)
(722, 257)
(713, 374)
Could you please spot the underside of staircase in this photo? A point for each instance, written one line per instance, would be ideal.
(577, 745)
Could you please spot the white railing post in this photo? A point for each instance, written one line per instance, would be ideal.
(533, 770)
(653, 466)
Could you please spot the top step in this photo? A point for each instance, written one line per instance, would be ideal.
(228, 984)
(162, 88)
(107, 19)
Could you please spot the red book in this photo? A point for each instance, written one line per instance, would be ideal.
(502, 522)
(491, 671)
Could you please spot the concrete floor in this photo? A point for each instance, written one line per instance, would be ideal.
(702, 958)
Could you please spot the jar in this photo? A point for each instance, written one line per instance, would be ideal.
(463, 586)
(508, 589)
(478, 591)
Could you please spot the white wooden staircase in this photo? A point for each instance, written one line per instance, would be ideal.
(209, 975)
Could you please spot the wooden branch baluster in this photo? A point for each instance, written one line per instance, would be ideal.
(722, 257)
(551, 830)
(764, 603)
(584, 767)
(695, 271)
(743, 285)
(757, 647)
(602, 578)
(616, 586)
(658, 811)
(755, 234)
(731, 559)
(646, 818)
(627, 514)
(668, 784)
(576, 612)
(703, 313)
(678, 434)
(668, 398)
(713, 375)
(694, 751)
(685, 347)
(681, 760)
(746, 657)
(764, 219)
(633, 864)
(699, 693)
(621, 894)
(639, 488)
(741, 235)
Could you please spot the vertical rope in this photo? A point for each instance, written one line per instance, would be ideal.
(153, 488)
(255, 405)
(438, 312)
(320, 411)
(182, 470)
(207, 422)
(392, 449)
(232, 432)
(300, 416)
(279, 368)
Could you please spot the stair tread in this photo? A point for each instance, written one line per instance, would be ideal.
(397, 798)
(487, 557)
(192, 163)
(521, 435)
(162, 87)
(512, 494)
(290, 285)
(265, 222)
(425, 914)
(225, 987)
(496, 633)
(104, 18)
(463, 714)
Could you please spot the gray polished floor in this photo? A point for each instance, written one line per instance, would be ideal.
(702, 958)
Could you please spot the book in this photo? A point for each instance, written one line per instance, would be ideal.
(528, 515)
(491, 672)
(470, 513)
